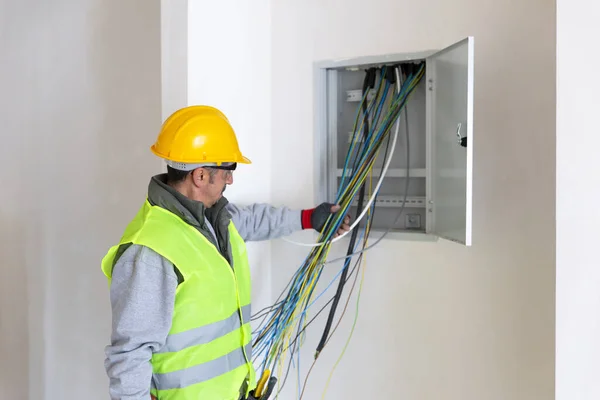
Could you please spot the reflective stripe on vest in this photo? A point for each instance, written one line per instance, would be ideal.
(202, 372)
(204, 334)
(208, 350)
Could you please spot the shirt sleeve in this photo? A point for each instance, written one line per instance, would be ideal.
(142, 296)
(260, 221)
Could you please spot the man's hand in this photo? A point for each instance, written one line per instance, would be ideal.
(315, 218)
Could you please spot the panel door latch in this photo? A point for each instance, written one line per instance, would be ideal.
(461, 140)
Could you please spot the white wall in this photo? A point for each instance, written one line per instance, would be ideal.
(16, 74)
(577, 199)
(174, 55)
(229, 68)
(437, 321)
(81, 104)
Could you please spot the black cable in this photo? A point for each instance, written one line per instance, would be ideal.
(369, 83)
(391, 77)
(358, 263)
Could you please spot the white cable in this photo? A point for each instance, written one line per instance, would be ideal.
(385, 168)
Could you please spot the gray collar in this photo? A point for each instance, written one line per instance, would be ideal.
(192, 212)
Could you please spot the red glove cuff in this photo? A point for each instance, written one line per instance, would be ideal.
(306, 216)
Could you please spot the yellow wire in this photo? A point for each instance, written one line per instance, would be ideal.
(307, 286)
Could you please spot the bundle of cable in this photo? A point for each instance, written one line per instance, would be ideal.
(278, 337)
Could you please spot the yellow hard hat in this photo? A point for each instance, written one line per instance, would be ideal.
(198, 135)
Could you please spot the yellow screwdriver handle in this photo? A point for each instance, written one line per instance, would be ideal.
(261, 383)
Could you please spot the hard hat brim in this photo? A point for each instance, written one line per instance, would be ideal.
(240, 160)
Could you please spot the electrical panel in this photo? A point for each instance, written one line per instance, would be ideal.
(426, 192)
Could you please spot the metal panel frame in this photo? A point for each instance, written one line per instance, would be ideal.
(325, 126)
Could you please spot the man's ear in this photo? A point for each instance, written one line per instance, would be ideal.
(199, 176)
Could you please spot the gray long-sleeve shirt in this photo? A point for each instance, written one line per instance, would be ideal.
(142, 292)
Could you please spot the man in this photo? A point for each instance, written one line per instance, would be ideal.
(179, 277)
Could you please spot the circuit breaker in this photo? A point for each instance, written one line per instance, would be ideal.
(426, 192)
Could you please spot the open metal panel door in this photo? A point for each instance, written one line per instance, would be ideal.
(450, 80)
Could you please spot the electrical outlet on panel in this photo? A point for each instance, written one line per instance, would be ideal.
(356, 95)
(412, 221)
(353, 95)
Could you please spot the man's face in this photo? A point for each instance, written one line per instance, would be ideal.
(217, 183)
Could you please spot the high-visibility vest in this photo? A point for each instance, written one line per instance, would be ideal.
(207, 354)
